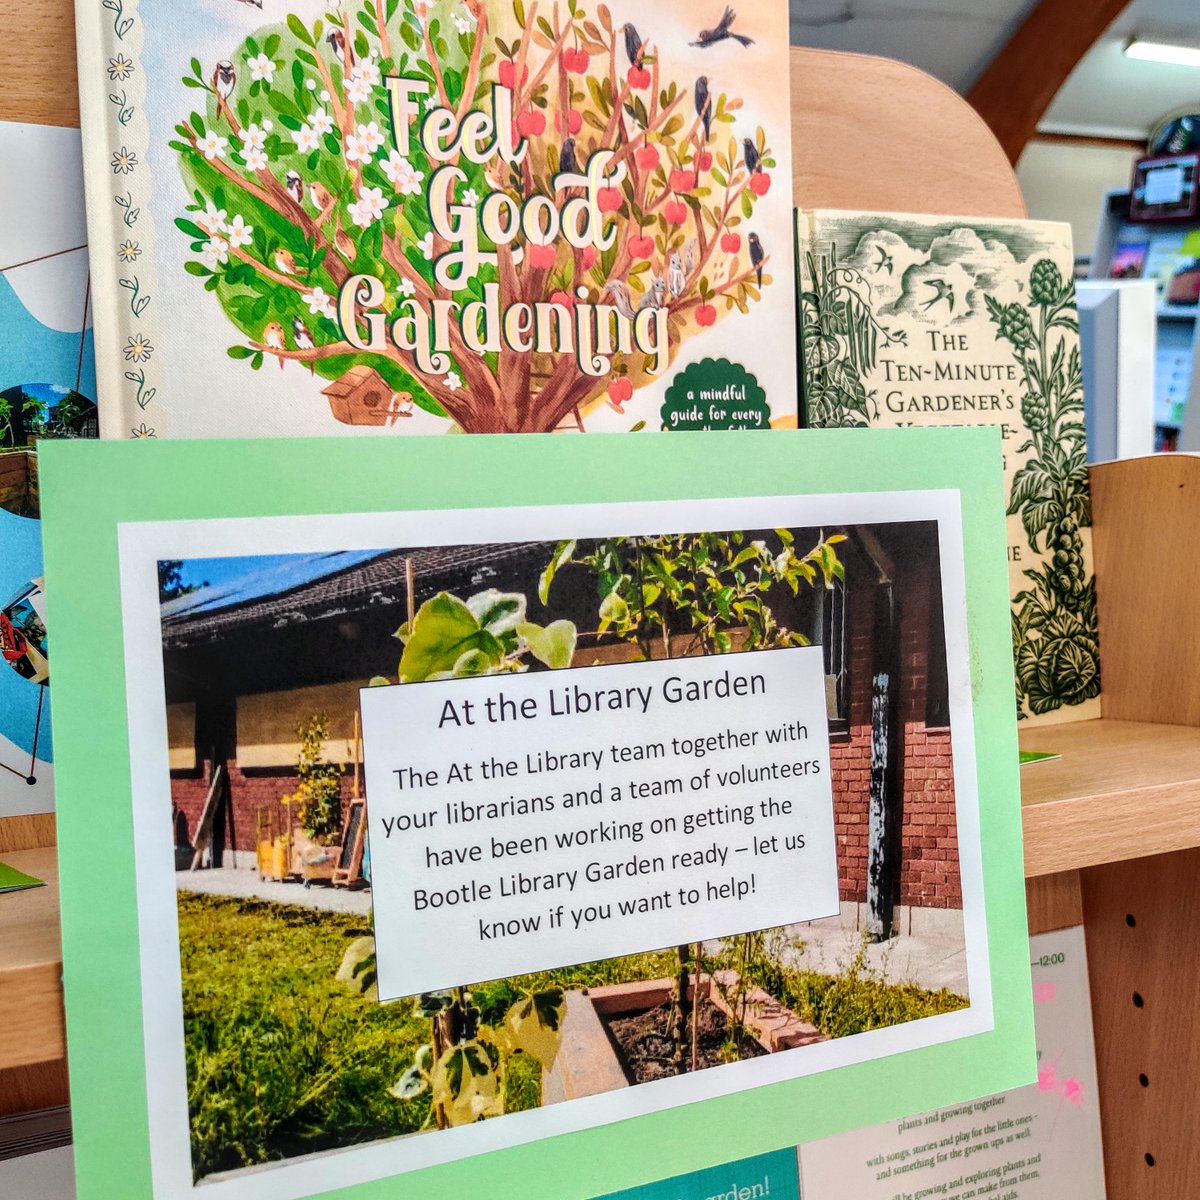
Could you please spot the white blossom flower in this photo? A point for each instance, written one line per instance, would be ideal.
(261, 67)
(306, 139)
(138, 349)
(254, 158)
(358, 90)
(214, 220)
(240, 234)
(356, 149)
(371, 135)
(320, 303)
(268, 125)
(463, 24)
(124, 161)
(129, 251)
(215, 252)
(406, 287)
(212, 145)
(325, 96)
(404, 177)
(254, 135)
(311, 84)
(452, 382)
(471, 197)
(426, 245)
(120, 68)
(321, 121)
(370, 207)
(368, 70)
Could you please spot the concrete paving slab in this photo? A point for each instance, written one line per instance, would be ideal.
(248, 886)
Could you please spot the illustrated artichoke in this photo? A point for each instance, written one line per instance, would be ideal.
(1035, 412)
(1045, 282)
(1015, 326)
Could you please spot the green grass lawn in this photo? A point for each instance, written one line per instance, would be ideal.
(284, 1060)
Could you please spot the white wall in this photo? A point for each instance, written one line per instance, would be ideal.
(1065, 182)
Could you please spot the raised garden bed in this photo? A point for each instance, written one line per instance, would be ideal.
(616, 1036)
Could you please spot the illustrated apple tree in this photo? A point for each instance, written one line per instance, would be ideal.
(297, 186)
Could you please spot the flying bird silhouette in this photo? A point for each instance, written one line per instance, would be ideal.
(723, 30)
(704, 105)
(943, 291)
(757, 256)
(884, 262)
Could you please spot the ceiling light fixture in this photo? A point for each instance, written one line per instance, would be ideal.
(1163, 52)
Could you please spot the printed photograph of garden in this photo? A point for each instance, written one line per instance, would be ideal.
(289, 1051)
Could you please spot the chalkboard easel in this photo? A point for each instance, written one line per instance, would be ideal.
(349, 868)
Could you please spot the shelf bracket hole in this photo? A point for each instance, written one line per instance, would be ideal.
(1130, 920)
(1144, 1079)
(1138, 1001)
(1149, 1159)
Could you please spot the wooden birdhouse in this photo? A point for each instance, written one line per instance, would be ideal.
(363, 397)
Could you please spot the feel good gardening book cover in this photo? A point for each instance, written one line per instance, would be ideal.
(439, 215)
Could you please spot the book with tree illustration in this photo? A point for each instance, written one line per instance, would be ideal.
(482, 215)
(923, 320)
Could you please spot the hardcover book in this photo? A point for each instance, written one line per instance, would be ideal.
(923, 320)
(475, 215)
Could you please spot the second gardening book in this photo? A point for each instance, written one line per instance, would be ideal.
(923, 320)
(476, 215)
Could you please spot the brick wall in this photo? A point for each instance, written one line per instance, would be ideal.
(929, 875)
(250, 792)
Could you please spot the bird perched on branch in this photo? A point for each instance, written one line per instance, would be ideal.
(285, 262)
(709, 37)
(751, 156)
(568, 164)
(295, 186)
(273, 338)
(323, 200)
(303, 339)
(635, 48)
(224, 80)
(344, 244)
(757, 256)
(704, 105)
(337, 43)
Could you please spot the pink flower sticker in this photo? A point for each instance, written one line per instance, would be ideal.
(1072, 1090)
(1044, 993)
(1047, 1079)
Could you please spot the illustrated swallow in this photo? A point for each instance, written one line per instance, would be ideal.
(722, 31)
(251, 3)
(273, 337)
(285, 262)
(295, 187)
(676, 275)
(757, 256)
(884, 262)
(751, 156)
(704, 105)
(635, 48)
(943, 291)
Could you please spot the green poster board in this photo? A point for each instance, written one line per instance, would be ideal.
(211, 1044)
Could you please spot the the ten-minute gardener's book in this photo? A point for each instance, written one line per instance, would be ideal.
(485, 215)
(920, 320)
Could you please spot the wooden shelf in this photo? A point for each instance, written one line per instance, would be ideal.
(31, 1004)
(1121, 790)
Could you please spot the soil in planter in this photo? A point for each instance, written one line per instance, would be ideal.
(646, 1047)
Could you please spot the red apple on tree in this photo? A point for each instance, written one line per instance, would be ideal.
(506, 72)
(542, 258)
(760, 183)
(574, 122)
(563, 299)
(620, 391)
(706, 314)
(675, 212)
(704, 160)
(682, 181)
(587, 257)
(531, 123)
(638, 77)
(646, 157)
(608, 200)
(641, 247)
(731, 243)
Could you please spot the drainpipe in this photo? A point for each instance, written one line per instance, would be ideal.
(885, 794)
